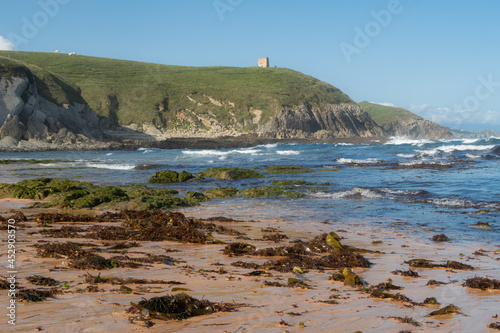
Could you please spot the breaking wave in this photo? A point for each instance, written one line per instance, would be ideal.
(111, 166)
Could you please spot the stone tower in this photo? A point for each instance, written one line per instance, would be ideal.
(263, 62)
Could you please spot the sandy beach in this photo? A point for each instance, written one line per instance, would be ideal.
(206, 273)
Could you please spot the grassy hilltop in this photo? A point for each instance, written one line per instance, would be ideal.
(134, 92)
(384, 115)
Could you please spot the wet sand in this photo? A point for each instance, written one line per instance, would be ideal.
(263, 307)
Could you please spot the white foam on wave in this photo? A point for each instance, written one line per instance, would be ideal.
(455, 203)
(354, 193)
(269, 145)
(450, 149)
(403, 140)
(472, 156)
(423, 163)
(353, 161)
(406, 155)
(111, 166)
(401, 192)
(207, 152)
(287, 152)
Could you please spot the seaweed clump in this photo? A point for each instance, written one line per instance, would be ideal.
(39, 280)
(35, 295)
(409, 273)
(154, 226)
(305, 255)
(239, 249)
(424, 263)
(440, 238)
(397, 296)
(80, 259)
(482, 283)
(180, 307)
(495, 326)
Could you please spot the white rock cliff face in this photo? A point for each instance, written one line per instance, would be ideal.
(25, 115)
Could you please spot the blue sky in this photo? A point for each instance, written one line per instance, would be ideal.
(439, 59)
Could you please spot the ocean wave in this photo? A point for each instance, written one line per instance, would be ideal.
(402, 140)
(287, 152)
(406, 155)
(404, 192)
(451, 149)
(354, 161)
(454, 203)
(268, 146)
(354, 193)
(414, 163)
(250, 151)
(111, 166)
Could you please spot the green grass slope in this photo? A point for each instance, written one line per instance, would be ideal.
(135, 92)
(384, 115)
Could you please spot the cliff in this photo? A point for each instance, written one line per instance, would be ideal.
(401, 122)
(60, 100)
(43, 109)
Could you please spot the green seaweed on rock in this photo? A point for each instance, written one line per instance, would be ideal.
(287, 169)
(231, 173)
(170, 176)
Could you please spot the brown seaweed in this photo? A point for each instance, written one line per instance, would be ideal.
(181, 306)
(39, 280)
(482, 283)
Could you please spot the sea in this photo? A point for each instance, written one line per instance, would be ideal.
(416, 187)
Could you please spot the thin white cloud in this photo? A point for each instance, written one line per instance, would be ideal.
(384, 104)
(5, 44)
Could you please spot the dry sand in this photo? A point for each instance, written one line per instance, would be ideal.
(264, 307)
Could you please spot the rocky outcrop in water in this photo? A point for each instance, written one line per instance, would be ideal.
(417, 129)
(326, 122)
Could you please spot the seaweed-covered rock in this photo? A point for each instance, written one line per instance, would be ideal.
(192, 196)
(269, 191)
(450, 309)
(287, 169)
(332, 239)
(231, 173)
(238, 249)
(170, 176)
(221, 192)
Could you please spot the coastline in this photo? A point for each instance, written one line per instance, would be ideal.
(263, 307)
(224, 142)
